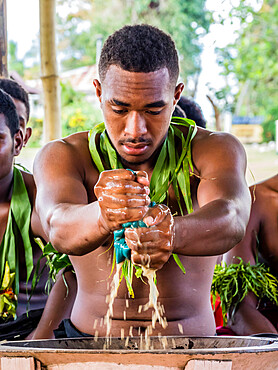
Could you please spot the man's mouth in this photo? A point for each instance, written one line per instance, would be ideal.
(135, 149)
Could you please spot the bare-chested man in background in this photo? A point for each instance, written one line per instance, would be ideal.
(19, 222)
(259, 243)
(81, 208)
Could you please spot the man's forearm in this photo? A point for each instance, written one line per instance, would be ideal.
(76, 229)
(211, 230)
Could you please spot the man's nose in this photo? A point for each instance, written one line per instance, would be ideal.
(135, 125)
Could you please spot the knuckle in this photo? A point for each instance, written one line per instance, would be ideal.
(143, 211)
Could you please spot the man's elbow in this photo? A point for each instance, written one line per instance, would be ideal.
(57, 233)
(237, 222)
(66, 239)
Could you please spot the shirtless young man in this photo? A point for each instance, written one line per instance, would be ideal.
(80, 209)
(13, 135)
(260, 242)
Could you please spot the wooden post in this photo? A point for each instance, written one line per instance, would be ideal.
(3, 39)
(49, 71)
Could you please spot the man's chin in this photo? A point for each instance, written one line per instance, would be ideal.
(136, 161)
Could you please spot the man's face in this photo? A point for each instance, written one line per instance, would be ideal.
(6, 148)
(137, 109)
(9, 147)
(22, 114)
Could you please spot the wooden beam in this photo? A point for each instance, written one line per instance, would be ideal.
(49, 71)
(19, 363)
(3, 39)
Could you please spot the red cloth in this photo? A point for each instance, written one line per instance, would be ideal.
(224, 330)
(218, 317)
(217, 311)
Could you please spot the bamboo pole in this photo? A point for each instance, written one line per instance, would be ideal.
(3, 39)
(49, 71)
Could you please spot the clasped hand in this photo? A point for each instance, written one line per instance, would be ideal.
(124, 197)
(153, 245)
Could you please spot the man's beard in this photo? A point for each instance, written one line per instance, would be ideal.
(127, 163)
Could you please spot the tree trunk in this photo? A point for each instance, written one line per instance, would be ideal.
(216, 114)
(3, 40)
(49, 71)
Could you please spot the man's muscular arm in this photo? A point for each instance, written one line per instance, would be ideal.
(72, 225)
(217, 225)
(223, 196)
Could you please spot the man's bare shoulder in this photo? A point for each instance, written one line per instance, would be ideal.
(215, 140)
(269, 186)
(72, 151)
(75, 143)
(266, 192)
(221, 148)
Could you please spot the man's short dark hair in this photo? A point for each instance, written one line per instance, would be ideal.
(192, 111)
(178, 112)
(140, 48)
(16, 91)
(8, 109)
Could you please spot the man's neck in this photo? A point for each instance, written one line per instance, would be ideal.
(6, 187)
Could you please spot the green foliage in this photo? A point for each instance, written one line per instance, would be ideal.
(269, 130)
(37, 130)
(77, 113)
(8, 300)
(184, 20)
(15, 64)
(77, 118)
(69, 95)
(252, 60)
(55, 261)
(232, 283)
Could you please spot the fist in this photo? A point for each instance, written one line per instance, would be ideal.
(152, 246)
(123, 196)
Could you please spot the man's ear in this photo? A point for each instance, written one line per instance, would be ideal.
(28, 133)
(97, 86)
(18, 142)
(178, 90)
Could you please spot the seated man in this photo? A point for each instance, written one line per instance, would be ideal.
(17, 194)
(259, 244)
(80, 208)
(63, 295)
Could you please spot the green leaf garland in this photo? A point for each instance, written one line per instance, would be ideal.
(232, 283)
(171, 167)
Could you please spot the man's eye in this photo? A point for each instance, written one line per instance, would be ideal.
(119, 111)
(154, 113)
